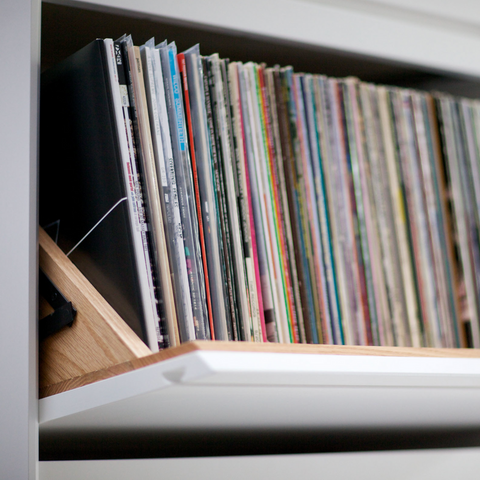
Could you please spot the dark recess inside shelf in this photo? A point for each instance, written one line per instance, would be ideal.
(67, 29)
(168, 444)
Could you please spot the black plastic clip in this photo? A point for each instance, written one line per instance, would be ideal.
(64, 313)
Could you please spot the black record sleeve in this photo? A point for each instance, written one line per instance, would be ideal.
(81, 179)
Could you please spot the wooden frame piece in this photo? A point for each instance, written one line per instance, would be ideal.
(98, 339)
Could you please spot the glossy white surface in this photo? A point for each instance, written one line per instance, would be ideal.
(235, 391)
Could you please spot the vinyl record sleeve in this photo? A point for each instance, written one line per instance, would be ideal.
(465, 279)
(148, 175)
(468, 159)
(198, 129)
(274, 204)
(186, 194)
(256, 208)
(303, 100)
(155, 97)
(284, 213)
(369, 145)
(289, 173)
(258, 320)
(169, 197)
(346, 199)
(220, 190)
(353, 121)
(225, 137)
(434, 221)
(81, 179)
(183, 81)
(143, 249)
(262, 168)
(377, 99)
(257, 164)
(445, 218)
(409, 167)
(318, 142)
(455, 162)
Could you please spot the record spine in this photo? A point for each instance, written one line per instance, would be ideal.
(185, 189)
(210, 100)
(135, 200)
(186, 99)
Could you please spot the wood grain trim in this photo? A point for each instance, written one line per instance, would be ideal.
(56, 264)
(98, 339)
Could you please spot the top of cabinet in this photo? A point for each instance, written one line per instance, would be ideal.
(443, 38)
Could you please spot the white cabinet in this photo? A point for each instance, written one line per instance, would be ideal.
(19, 34)
(384, 40)
(405, 465)
(235, 391)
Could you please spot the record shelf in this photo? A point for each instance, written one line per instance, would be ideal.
(215, 399)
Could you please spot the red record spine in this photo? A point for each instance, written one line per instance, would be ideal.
(183, 71)
(252, 232)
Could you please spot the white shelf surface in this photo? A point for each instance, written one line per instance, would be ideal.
(234, 391)
(439, 36)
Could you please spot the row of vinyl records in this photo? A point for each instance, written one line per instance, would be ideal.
(268, 205)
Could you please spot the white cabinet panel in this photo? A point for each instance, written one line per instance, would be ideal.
(401, 465)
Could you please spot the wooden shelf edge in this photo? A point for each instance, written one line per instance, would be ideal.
(135, 364)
